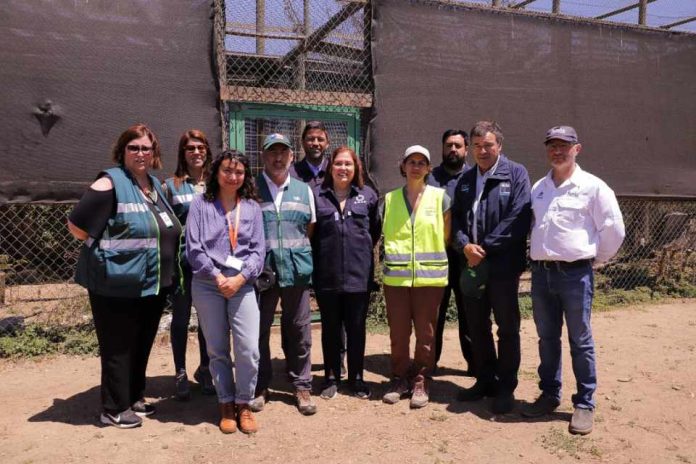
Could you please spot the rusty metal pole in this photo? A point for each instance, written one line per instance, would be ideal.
(556, 7)
(260, 27)
(642, 12)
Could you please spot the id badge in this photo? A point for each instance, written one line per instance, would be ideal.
(234, 263)
(166, 219)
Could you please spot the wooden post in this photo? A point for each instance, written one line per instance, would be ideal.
(642, 12)
(260, 26)
(556, 7)
(4, 266)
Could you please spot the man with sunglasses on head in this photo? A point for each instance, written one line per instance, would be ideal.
(577, 221)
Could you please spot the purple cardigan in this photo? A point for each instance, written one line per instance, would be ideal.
(208, 243)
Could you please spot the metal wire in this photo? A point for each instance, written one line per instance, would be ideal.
(38, 255)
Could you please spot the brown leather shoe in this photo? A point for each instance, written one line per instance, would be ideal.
(228, 424)
(419, 397)
(246, 419)
(305, 403)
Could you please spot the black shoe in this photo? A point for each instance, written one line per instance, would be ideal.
(477, 392)
(203, 377)
(543, 405)
(329, 391)
(360, 390)
(503, 403)
(143, 409)
(123, 420)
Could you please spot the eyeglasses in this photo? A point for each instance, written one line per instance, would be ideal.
(195, 148)
(144, 149)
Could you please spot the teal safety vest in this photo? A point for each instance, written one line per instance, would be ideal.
(180, 198)
(288, 249)
(125, 260)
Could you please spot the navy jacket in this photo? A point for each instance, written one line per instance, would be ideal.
(342, 243)
(443, 179)
(504, 216)
(303, 172)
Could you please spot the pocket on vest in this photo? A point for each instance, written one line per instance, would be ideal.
(125, 267)
(302, 261)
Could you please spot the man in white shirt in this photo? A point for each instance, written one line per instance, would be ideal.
(287, 205)
(576, 222)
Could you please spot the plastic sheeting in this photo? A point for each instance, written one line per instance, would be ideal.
(630, 92)
(76, 73)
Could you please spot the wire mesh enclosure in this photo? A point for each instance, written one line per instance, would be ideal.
(296, 51)
(38, 255)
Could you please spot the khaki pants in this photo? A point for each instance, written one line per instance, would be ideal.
(415, 307)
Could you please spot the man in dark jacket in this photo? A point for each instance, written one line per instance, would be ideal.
(454, 146)
(490, 222)
(315, 142)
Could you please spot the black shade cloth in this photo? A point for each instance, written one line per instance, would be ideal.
(630, 93)
(103, 65)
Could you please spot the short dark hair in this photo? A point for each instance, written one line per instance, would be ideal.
(311, 125)
(181, 166)
(481, 128)
(358, 179)
(135, 132)
(450, 132)
(247, 190)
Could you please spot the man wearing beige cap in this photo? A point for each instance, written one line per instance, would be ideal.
(576, 222)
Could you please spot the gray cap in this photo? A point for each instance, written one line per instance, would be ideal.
(272, 139)
(413, 149)
(565, 133)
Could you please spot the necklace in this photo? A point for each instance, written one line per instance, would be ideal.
(150, 195)
(340, 196)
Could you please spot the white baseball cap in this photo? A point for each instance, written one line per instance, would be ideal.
(414, 149)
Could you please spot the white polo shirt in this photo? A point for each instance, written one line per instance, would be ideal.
(276, 192)
(580, 219)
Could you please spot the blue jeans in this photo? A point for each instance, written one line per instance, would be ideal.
(217, 316)
(559, 292)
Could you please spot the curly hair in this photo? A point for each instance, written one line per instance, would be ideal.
(246, 191)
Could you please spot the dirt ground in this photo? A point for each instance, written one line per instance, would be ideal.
(646, 409)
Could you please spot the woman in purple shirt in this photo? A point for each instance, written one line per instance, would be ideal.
(225, 247)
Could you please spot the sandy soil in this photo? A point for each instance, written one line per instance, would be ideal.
(646, 410)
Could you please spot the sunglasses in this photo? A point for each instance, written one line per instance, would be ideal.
(144, 149)
(194, 148)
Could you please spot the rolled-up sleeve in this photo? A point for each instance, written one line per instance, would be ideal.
(609, 223)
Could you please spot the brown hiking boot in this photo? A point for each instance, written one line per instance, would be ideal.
(246, 419)
(305, 404)
(228, 424)
(419, 397)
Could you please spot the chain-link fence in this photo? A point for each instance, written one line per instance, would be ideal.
(296, 51)
(38, 257)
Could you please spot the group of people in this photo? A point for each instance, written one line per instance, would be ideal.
(235, 247)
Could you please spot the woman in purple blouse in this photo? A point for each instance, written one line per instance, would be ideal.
(225, 247)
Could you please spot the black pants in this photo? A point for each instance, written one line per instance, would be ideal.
(126, 329)
(181, 314)
(343, 311)
(501, 369)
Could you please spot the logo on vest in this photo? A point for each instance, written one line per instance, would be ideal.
(505, 188)
(360, 199)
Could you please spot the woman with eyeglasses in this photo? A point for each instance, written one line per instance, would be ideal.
(416, 230)
(128, 263)
(225, 246)
(192, 169)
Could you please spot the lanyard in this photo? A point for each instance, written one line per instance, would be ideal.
(233, 231)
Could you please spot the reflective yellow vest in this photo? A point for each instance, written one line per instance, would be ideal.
(414, 253)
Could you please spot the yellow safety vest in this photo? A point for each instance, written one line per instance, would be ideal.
(414, 253)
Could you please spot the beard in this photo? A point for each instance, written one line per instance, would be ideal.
(453, 162)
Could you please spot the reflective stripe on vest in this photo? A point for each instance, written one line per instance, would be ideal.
(415, 254)
(182, 199)
(288, 248)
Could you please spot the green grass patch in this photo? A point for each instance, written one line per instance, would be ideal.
(38, 340)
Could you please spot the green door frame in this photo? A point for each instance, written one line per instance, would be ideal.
(238, 112)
